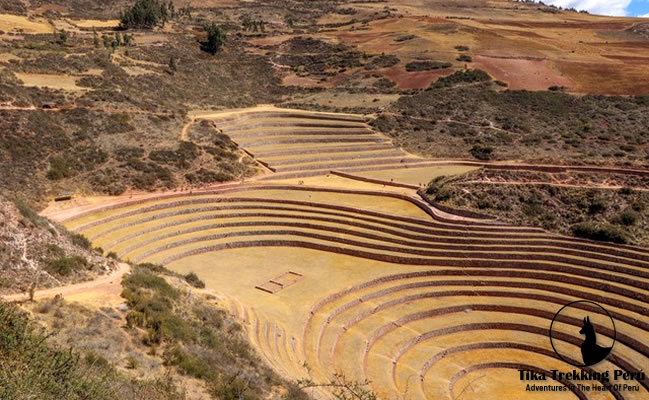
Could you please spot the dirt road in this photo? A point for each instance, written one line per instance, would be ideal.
(105, 290)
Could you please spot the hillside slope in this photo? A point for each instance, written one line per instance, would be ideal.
(34, 252)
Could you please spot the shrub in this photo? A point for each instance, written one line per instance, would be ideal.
(597, 205)
(62, 167)
(603, 232)
(464, 58)
(206, 176)
(55, 251)
(132, 363)
(468, 76)
(157, 268)
(80, 240)
(215, 38)
(28, 212)
(135, 319)
(152, 296)
(627, 217)
(125, 153)
(187, 363)
(481, 152)
(382, 61)
(31, 368)
(64, 266)
(142, 278)
(194, 280)
(426, 65)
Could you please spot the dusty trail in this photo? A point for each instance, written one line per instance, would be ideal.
(65, 107)
(104, 290)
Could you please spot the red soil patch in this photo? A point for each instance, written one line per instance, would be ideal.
(521, 73)
(413, 80)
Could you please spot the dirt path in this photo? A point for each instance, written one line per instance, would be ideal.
(66, 107)
(183, 133)
(105, 290)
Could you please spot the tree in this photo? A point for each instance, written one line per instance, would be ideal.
(172, 65)
(95, 39)
(289, 21)
(144, 14)
(61, 37)
(172, 9)
(215, 38)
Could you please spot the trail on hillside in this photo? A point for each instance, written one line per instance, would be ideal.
(104, 285)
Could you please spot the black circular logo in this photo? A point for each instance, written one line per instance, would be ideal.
(582, 333)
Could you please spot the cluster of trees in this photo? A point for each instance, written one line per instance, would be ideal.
(146, 14)
(113, 42)
(249, 24)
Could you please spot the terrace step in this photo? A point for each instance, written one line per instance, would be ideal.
(348, 164)
(291, 122)
(251, 144)
(239, 135)
(324, 156)
(260, 153)
(241, 117)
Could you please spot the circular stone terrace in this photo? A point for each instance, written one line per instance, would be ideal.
(351, 271)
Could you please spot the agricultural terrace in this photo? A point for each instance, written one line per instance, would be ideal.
(377, 284)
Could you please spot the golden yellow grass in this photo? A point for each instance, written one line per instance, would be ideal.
(6, 57)
(324, 147)
(52, 81)
(415, 175)
(19, 23)
(367, 202)
(336, 181)
(348, 154)
(95, 23)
